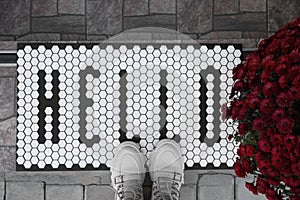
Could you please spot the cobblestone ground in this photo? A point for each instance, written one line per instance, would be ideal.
(199, 185)
(87, 20)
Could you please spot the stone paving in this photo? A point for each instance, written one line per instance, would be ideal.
(95, 185)
(73, 20)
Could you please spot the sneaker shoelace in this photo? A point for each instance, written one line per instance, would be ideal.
(129, 190)
(166, 189)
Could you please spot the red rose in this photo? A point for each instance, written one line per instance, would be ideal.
(242, 113)
(285, 125)
(276, 138)
(277, 161)
(246, 164)
(292, 181)
(263, 164)
(296, 81)
(286, 44)
(284, 99)
(286, 167)
(284, 59)
(294, 71)
(253, 101)
(243, 128)
(273, 181)
(273, 47)
(270, 66)
(289, 141)
(270, 88)
(283, 81)
(258, 124)
(278, 114)
(238, 72)
(238, 169)
(296, 168)
(264, 145)
(281, 69)
(277, 151)
(251, 187)
(265, 76)
(295, 91)
(270, 191)
(267, 106)
(255, 62)
(297, 151)
(262, 185)
(250, 150)
(268, 60)
(241, 151)
(272, 172)
(273, 197)
(262, 44)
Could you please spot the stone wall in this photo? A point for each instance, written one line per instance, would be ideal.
(215, 21)
(81, 20)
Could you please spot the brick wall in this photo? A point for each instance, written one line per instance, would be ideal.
(218, 21)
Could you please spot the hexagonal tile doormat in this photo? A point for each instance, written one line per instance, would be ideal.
(77, 102)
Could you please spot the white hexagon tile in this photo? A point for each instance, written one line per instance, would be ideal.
(76, 103)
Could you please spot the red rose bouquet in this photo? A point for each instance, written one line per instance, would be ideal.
(265, 104)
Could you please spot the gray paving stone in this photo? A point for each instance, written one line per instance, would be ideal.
(40, 37)
(7, 159)
(14, 17)
(216, 187)
(254, 35)
(104, 17)
(63, 192)
(7, 86)
(8, 45)
(188, 192)
(44, 8)
(72, 37)
(71, 6)
(135, 7)
(195, 16)
(7, 38)
(7, 72)
(226, 7)
(62, 177)
(97, 37)
(8, 129)
(99, 192)
(222, 34)
(24, 191)
(59, 24)
(243, 193)
(164, 21)
(281, 12)
(241, 22)
(2, 190)
(191, 177)
(253, 6)
(163, 6)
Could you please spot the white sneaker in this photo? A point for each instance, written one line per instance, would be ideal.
(166, 170)
(128, 171)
